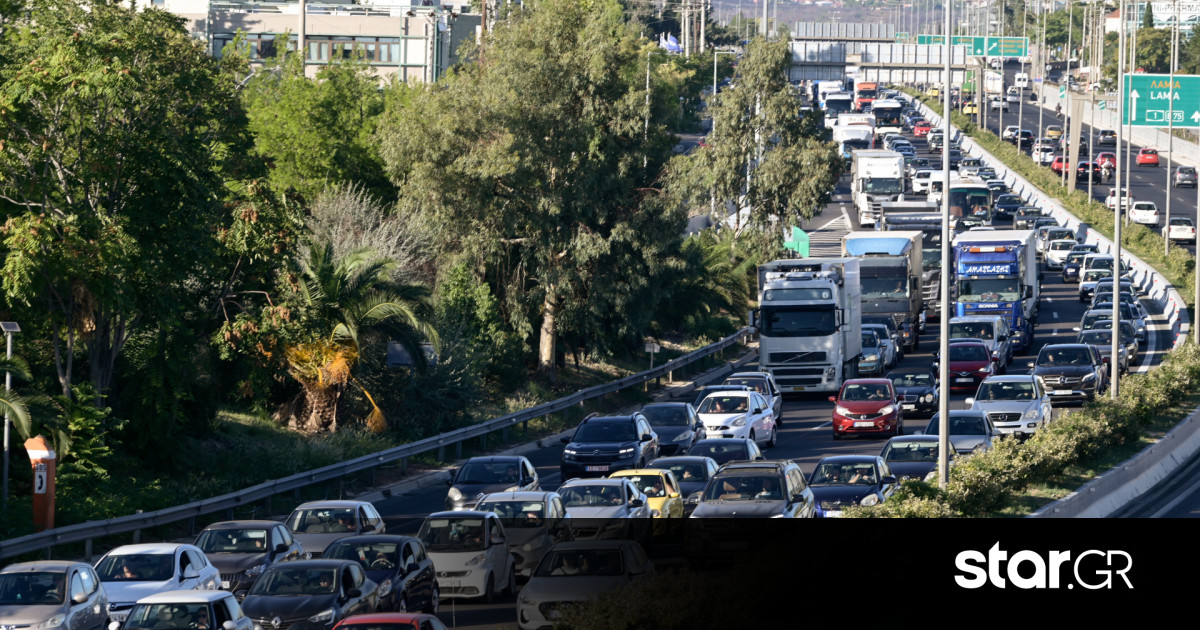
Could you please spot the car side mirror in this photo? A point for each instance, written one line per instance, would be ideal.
(1031, 364)
(646, 437)
(353, 593)
(636, 503)
(116, 625)
(229, 625)
(995, 359)
(80, 598)
(673, 495)
(565, 439)
(1076, 329)
(281, 548)
(833, 399)
(757, 411)
(412, 567)
(889, 479)
(189, 573)
(969, 401)
(1104, 360)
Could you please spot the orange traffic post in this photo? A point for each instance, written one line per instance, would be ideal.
(43, 459)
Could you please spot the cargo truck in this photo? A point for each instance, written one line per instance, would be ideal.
(924, 217)
(996, 273)
(890, 266)
(809, 322)
(876, 176)
(865, 93)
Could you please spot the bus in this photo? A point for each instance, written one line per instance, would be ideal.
(970, 201)
(887, 116)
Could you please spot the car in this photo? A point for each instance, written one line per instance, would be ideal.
(470, 551)
(606, 444)
(1106, 158)
(992, 330)
(1051, 233)
(866, 406)
(1108, 138)
(842, 481)
(1072, 372)
(1057, 251)
(970, 431)
(970, 364)
(935, 141)
(762, 489)
(987, 174)
(1054, 132)
(391, 621)
(911, 456)
(1024, 139)
(317, 523)
(970, 108)
(1059, 163)
(33, 594)
(483, 475)
(1147, 157)
(1101, 340)
(1024, 217)
(1088, 280)
(922, 129)
(1017, 404)
(187, 610)
(1181, 229)
(677, 424)
(738, 415)
(916, 388)
(969, 166)
(956, 157)
(763, 383)
(997, 104)
(1144, 212)
(573, 572)
(1044, 156)
(692, 473)
(606, 508)
(1006, 206)
(906, 150)
(1013, 95)
(663, 494)
(890, 352)
(1084, 168)
(400, 566)
(725, 450)
(310, 593)
(131, 572)
(1009, 132)
(917, 164)
(703, 392)
(1184, 176)
(1111, 200)
(533, 522)
(1071, 266)
(242, 550)
(1133, 313)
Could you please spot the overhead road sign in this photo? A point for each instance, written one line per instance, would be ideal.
(980, 46)
(1152, 100)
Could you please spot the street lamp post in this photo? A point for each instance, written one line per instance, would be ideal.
(9, 328)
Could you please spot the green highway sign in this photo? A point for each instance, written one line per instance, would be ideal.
(979, 46)
(1007, 46)
(931, 39)
(901, 37)
(1103, 105)
(1148, 98)
(1062, 91)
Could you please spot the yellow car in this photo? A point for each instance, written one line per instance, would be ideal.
(1054, 131)
(970, 108)
(933, 92)
(662, 491)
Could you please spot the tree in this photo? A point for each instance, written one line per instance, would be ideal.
(1148, 16)
(534, 163)
(1189, 55)
(1154, 50)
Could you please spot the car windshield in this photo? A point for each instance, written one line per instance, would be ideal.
(911, 379)
(1187, 222)
(829, 474)
(757, 384)
(968, 353)
(621, 431)
(720, 452)
(870, 339)
(581, 562)
(1050, 357)
(31, 589)
(322, 521)
(666, 415)
(167, 616)
(516, 514)
(865, 391)
(720, 403)
(883, 288)
(233, 541)
(282, 580)
(1076, 257)
(651, 485)
(141, 567)
(902, 451)
(584, 495)
(371, 555)
(744, 488)
(1064, 245)
(971, 330)
(452, 533)
(1091, 275)
(1008, 199)
(685, 471)
(1005, 390)
(959, 425)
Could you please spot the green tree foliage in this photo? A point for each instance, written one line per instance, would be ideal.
(709, 288)
(1148, 16)
(1056, 28)
(1189, 55)
(1154, 50)
(534, 163)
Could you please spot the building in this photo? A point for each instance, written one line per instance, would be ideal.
(411, 42)
(1164, 16)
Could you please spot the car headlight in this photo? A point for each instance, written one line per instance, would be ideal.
(385, 587)
(477, 559)
(53, 622)
(454, 495)
(626, 452)
(1032, 413)
(869, 500)
(888, 409)
(256, 570)
(871, 357)
(739, 421)
(985, 370)
(1090, 377)
(928, 398)
(842, 411)
(324, 616)
(524, 598)
(569, 454)
(682, 436)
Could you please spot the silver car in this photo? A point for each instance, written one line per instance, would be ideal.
(1014, 404)
(52, 594)
(970, 430)
(316, 524)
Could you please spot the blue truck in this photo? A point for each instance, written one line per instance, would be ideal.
(996, 273)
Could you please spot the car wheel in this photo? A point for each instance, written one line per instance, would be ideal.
(402, 605)
(771, 442)
(435, 601)
(752, 438)
(489, 594)
(511, 589)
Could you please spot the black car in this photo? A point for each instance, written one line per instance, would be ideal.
(1108, 138)
(313, 594)
(843, 481)
(1072, 372)
(606, 444)
(485, 475)
(1081, 173)
(1025, 216)
(916, 388)
(912, 456)
(1072, 266)
(1006, 206)
(692, 472)
(677, 425)
(725, 450)
(761, 489)
(399, 564)
(242, 550)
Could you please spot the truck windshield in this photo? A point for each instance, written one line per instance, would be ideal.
(931, 258)
(883, 288)
(988, 290)
(974, 202)
(856, 145)
(886, 117)
(835, 106)
(799, 321)
(884, 186)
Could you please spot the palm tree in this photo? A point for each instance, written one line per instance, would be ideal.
(12, 403)
(347, 300)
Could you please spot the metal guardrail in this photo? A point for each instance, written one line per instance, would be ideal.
(86, 532)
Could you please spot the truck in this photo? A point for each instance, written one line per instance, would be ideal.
(835, 104)
(924, 217)
(865, 93)
(852, 138)
(890, 263)
(996, 273)
(888, 118)
(809, 322)
(876, 176)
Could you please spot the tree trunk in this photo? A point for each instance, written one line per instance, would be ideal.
(546, 338)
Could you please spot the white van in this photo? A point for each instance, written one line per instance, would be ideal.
(1022, 80)
(921, 180)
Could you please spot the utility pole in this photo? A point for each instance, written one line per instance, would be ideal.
(944, 289)
(763, 30)
(1114, 364)
(703, 21)
(1171, 120)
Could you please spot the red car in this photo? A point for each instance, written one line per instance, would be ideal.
(1147, 157)
(970, 363)
(391, 621)
(1106, 158)
(1058, 164)
(866, 406)
(922, 128)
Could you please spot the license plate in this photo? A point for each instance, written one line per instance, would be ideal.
(597, 468)
(864, 424)
(908, 407)
(119, 616)
(833, 514)
(1061, 392)
(963, 380)
(225, 584)
(798, 388)
(553, 614)
(453, 583)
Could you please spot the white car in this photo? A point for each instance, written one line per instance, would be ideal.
(1009, 132)
(132, 572)
(998, 104)
(1057, 251)
(470, 550)
(738, 415)
(187, 610)
(1013, 95)
(575, 571)
(1144, 212)
(1111, 200)
(763, 383)
(1181, 229)
(1014, 404)
(1044, 155)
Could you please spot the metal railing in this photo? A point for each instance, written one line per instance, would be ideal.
(86, 532)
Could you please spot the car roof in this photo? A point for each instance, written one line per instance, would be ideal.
(332, 503)
(147, 548)
(683, 459)
(185, 597)
(458, 514)
(745, 374)
(497, 458)
(914, 438)
(630, 472)
(374, 538)
(318, 563)
(848, 459)
(242, 524)
(867, 381)
(522, 495)
(384, 618)
(723, 440)
(1010, 378)
(48, 566)
(606, 481)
